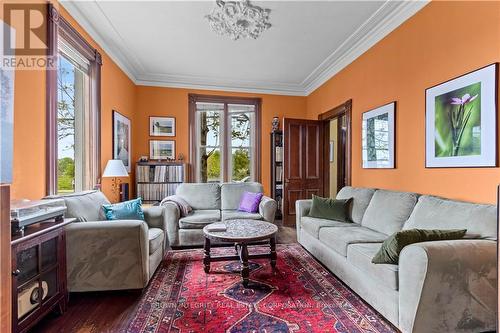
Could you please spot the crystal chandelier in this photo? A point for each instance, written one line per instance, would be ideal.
(239, 19)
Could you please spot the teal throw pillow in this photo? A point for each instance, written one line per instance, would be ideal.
(127, 210)
(392, 246)
(331, 209)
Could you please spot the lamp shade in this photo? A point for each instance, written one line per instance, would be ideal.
(115, 168)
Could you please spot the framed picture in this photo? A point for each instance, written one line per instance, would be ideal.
(161, 126)
(378, 137)
(7, 76)
(121, 138)
(161, 149)
(460, 121)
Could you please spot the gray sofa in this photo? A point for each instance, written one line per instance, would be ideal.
(111, 255)
(211, 202)
(443, 286)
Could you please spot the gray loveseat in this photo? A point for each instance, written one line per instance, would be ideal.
(211, 202)
(443, 286)
(111, 255)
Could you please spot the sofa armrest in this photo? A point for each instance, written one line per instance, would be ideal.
(448, 286)
(172, 215)
(156, 217)
(267, 208)
(302, 208)
(107, 255)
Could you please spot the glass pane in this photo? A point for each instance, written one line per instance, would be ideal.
(210, 165)
(27, 264)
(28, 299)
(241, 164)
(241, 129)
(49, 253)
(49, 284)
(66, 126)
(240, 108)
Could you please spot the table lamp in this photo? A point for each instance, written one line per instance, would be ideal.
(114, 169)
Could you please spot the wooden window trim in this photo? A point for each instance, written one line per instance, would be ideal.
(257, 102)
(59, 26)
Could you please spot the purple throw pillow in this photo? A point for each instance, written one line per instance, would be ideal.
(250, 202)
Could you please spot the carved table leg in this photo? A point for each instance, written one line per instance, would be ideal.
(245, 270)
(206, 258)
(274, 256)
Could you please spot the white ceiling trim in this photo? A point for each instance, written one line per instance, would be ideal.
(387, 18)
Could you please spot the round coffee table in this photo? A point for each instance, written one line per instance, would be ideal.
(241, 232)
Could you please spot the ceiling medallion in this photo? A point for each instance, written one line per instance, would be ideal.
(239, 19)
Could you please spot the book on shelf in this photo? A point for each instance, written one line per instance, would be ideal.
(279, 154)
(155, 181)
(279, 173)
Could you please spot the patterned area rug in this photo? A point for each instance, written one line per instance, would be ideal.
(299, 296)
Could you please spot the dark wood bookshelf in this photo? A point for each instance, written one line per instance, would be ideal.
(277, 170)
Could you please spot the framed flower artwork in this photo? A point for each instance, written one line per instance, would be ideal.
(460, 121)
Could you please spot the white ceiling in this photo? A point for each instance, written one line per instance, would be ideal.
(169, 43)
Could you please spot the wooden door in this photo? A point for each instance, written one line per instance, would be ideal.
(303, 163)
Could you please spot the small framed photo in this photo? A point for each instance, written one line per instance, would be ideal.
(461, 121)
(161, 126)
(161, 149)
(378, 137)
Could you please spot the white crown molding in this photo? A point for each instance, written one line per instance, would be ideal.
(387, 18)
(220, 84)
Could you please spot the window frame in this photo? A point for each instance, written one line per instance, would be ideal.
(225, 141)
(59, 27)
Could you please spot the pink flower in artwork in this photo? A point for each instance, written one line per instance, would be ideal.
(467, 98)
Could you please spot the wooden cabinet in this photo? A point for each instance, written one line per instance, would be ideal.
(38, 273)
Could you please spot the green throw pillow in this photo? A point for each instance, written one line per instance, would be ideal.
(127, 210)
(392, 246)
(331, 209)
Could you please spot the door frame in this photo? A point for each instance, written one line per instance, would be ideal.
(343, 174)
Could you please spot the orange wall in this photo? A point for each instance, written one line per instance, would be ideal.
(118, 92)
(442, 41)
(173, 102)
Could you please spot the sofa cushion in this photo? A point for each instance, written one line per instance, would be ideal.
(84, 206)
(231, 193)
(389, 210)
(437, 213)
(339, 238)
(331, 209)
(155, 237)
(312, 225)
(361, 198)
(199, 218)
(236, 214)
(360, 256)
(200, 195)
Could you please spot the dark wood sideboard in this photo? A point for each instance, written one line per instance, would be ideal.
(38, 273)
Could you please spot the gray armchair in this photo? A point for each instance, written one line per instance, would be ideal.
(211, 203)
(111, 255)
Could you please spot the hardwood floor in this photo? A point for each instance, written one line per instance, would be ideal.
(100, 312)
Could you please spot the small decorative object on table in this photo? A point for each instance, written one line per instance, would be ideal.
(276, 124)
(242, 232)
(180, 157)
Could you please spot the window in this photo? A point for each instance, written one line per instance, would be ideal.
(224, 139)
(73, 111)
